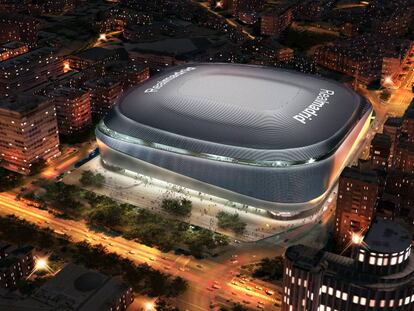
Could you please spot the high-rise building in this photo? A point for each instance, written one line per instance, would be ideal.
(378, 276)
(404, 156)
(408, 123)
(392, 128)
(73, 109)
(357, 197)
(129, 74)
(274, 22)
(104, 93)
(380, 151)
(28, 131)
(12, 49)
(16, 27)
(15, 263)
(29, 70)
(399, 190)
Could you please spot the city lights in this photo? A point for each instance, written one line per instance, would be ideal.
(388, 80)
(102, 37)
(357, 238)
(66, 66)
(149, 306)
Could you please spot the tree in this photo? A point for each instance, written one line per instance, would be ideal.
(177, 286)
(88, 178)
(231, 221)
(37, 166)
(177, 207)
(9, 180)
(270, 268)
(163, 305)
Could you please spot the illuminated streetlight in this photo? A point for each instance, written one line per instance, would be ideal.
(66, 66)
(41, 264)
(102, 37)
(357, 238)
(388, 80)
(219, 4)
(149, 306)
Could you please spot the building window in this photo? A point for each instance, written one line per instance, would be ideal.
(355, 299)
(344, 296)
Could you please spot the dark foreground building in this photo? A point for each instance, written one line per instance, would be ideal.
(272, 139)
(378, 276)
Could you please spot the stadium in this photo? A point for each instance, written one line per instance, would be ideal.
(269, 138)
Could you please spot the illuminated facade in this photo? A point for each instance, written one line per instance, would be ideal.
(378, 276)
(272, 139)
(29, 131)
(357, 198)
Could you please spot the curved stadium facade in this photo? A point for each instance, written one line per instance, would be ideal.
(270, 138)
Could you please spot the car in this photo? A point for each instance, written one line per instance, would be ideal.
(269, 292)
(181, 269)
(167, 267)
(258, 287)
(199, 266)
(215, 286)
(246, 301)
(152, 258)
(131, 252)
(260, 307)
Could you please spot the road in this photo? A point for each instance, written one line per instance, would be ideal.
(210, 280)
(229, 21)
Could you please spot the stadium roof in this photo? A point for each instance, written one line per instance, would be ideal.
(240, 111)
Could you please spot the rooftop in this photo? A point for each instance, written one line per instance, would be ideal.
(96, 54)
(361, 174)
(77, 288)
(240, 111)
(386, 236)
(382, 140)
(21, 103)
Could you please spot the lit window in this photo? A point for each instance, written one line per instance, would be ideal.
(363, 301)
(338, 294)
(323, 288)
(361, 257)
(355, 299)
(371, 260)
(344, 296)
(372, 303)
(393, 261)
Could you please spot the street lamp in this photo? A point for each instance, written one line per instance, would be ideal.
(102, 37)
(357, 238)
(149, 306)
(41, 264)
